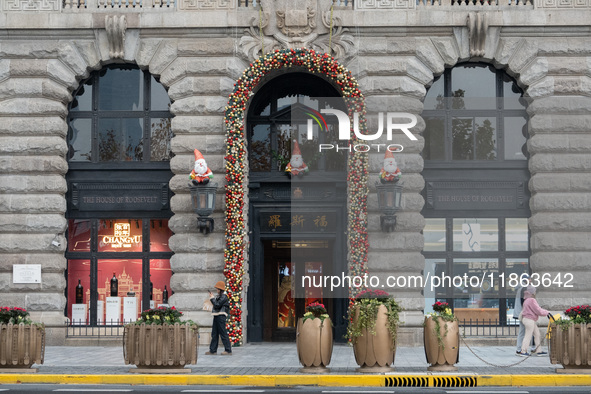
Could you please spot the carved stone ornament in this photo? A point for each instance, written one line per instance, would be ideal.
(290, 24)
(115, 27)
(477, 28)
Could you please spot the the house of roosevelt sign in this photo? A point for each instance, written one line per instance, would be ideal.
(475, 195)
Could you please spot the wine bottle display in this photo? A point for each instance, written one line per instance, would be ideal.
(79, 293)
(165, 296)
(114, 286)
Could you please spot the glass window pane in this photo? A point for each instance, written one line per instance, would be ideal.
(120, 139)
(160, 274)
(334, 160)
(159, 100)
(475, 235)
(477, 297)
(486, 138)
(159, 235)
(161, 134)
(78, 290)
(516, 235)
(462, 141)
(515, 138)
(128, 275)
(435, 95)
(514, 268)
(308, 148)
(286, 315)
(435, 268)
(434, 234)
(286, 101)
(121, 90)
(120, 235)
(79, 235)
(434, 139)
(260, 149)
(81, 140)
(83, 99)
(473, 88)
(512, 95)
(284, 137)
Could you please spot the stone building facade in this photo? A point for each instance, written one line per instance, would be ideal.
(197, 50)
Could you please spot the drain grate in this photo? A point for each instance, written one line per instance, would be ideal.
(433, 381)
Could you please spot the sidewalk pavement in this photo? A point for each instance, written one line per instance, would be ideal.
(277, 365)
(282, 359)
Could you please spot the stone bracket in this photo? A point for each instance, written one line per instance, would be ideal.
(116, 27)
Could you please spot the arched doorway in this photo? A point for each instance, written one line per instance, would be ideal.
(296, 221)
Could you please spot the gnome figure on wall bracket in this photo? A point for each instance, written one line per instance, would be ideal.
(390, 171)
(201, 173)
(296, 166)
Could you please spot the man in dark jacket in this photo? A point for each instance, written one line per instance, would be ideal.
(221, 308)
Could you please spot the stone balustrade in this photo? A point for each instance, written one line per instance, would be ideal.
(340, 5)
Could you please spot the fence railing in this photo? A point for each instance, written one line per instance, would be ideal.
(110, 329)
(488, 328)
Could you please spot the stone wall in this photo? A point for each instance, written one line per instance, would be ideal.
(395, 54)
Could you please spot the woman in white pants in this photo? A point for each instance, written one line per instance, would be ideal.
(530, 313)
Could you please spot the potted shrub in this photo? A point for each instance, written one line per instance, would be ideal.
(159, 340)
(314, 339)
(570, 340)
(441, 337)
(22, 342)
(373, 325)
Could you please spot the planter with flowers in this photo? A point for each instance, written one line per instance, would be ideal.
(441, 337)
(570, 340)
(314, 339)
(373, 325)
(159, 341)
(22, 342)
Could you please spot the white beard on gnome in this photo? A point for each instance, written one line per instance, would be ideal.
(390, 165)
(200, 167)
(297, 161)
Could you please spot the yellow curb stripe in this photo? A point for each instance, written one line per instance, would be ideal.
(289, 380)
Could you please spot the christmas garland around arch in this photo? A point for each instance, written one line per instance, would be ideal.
(357, 177)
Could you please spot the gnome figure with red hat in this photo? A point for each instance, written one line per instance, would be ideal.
(201, 174)
(296, 165)
(390, 171)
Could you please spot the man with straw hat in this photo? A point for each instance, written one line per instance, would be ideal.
(221, 308)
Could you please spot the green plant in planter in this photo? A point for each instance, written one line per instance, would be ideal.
(576, 315)
(442, 310)
(14, 315)
(163, 315)
(315, 310)
(368, 302)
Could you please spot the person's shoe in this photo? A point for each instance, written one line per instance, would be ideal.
(517, 352)
(210, 354)
(541, 354)
(522, 354)
(226, 353)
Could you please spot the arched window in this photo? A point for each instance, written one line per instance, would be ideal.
(279, 114)
(118, 197)
(120, 113)
(476, 195)
(474, 113)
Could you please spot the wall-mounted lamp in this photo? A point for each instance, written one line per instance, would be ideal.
(389, 195)
(203, 197)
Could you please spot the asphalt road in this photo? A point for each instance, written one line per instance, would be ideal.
(89, 389)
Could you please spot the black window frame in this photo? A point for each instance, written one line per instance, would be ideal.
(95, 114)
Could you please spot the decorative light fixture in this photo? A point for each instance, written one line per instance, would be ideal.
(203, 197)
(389, 195)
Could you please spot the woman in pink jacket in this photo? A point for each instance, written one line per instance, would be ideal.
(529, 315)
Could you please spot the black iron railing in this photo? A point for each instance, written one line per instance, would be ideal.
(488, 328)
(109, 329)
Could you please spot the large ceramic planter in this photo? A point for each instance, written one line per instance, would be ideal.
(21, 345)
(571, 348)
(160, 348)
(442, 356)
(375, 353)
(314, 344)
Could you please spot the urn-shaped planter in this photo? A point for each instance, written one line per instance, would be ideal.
(375, 352)
(571, 348)
(165, 348)
(21, 345)
(442, 343)
(314, 344)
